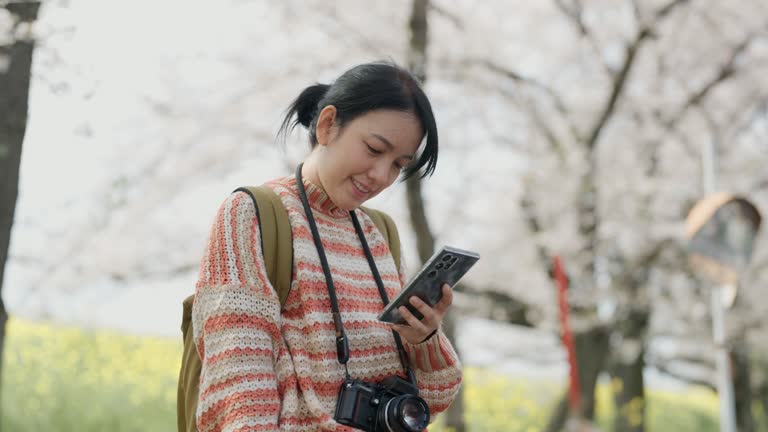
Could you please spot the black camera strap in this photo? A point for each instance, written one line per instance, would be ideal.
(342, 344)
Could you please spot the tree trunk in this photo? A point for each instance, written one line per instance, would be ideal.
(591, 353)
(742, 389)
(425, 241)
(559, 415)
(454, 415)
(627, 374)
(592, 346)
(762, 397)
(14, 95)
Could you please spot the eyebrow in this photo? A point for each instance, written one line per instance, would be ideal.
(390, 145)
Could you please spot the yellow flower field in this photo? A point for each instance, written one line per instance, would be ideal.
(68, 379)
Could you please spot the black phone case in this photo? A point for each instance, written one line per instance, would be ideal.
(448, 265)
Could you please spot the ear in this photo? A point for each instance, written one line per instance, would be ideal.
(326, 125)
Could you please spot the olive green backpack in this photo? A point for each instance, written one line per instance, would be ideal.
(277, 245)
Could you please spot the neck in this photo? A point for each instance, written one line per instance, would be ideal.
(309, 171)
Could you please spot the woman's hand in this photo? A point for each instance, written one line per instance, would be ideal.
(418, 330)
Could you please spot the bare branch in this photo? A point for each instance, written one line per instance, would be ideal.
(574, 12)
(557, 102)
(697, 379)
(451, 17)
(636, 9)
(650, 257)
(543, 126)
(666, 10)
(521, 79)
(534, 225)
(726, 71)
(347, 32)
(617, 88)
(493, 304)
(690, 149)
(620, 80)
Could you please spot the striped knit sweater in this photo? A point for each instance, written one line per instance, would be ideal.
(265, 369)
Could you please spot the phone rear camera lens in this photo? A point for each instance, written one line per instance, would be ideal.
(447, 257)
(432, 274)
(439, 266)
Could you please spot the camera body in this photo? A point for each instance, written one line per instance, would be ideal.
(390, 406)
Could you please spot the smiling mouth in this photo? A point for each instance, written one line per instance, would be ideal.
(360, 188)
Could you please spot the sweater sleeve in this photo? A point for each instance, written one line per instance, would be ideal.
(436, 365)
(236, 324)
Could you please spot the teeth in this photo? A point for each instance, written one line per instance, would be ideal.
(359, 186)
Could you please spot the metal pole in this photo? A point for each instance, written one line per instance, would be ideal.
(709, 167)
(722, 357)
(723, 362)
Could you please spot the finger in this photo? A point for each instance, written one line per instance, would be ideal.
(408, 333)
(426, 310)
(442, 306)
(398, 328)
(412, 320)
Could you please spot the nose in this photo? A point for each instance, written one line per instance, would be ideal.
(379, 172)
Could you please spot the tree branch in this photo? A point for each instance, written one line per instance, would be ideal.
(492, 304)
(534, 226)
(530, 107)
(620, 80)
(726, 71)
(528, 81)
(684, 376)
(451, 17)
(549, 135)
(574, 14)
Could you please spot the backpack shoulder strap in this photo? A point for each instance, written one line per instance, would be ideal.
(387, 227)
(275, 231)
(189, 373)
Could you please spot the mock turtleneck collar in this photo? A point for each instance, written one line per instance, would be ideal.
(319, 199)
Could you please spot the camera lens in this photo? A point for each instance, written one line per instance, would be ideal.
(447, 257)
(406, 413)
(414, 414)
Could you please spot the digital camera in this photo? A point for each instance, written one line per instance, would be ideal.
(390, 406)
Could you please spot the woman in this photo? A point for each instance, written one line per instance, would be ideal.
(269, 368)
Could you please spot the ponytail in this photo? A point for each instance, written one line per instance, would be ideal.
(305, 109)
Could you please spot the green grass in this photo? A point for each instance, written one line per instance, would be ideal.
(67, 379)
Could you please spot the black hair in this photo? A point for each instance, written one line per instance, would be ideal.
(364, 88)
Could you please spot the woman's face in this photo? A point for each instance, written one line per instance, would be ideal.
(366, 156)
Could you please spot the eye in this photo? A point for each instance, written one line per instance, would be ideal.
(373, 150)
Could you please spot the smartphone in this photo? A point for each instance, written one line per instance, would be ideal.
(448, 265)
